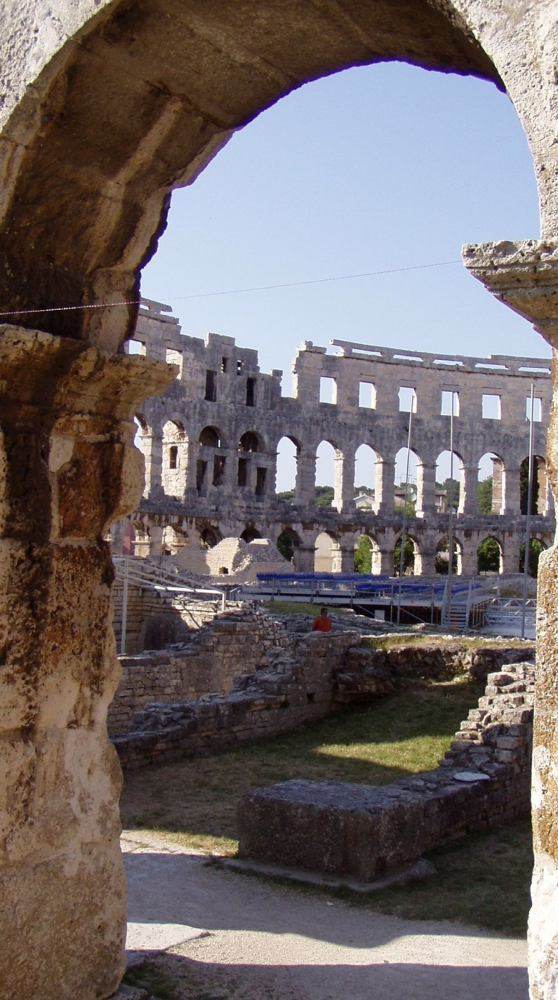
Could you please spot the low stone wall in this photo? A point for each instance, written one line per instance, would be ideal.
(263, 682)
(233, 644)
(364, 831)
(295, 687)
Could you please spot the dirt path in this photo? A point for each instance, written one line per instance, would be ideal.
(232, 936)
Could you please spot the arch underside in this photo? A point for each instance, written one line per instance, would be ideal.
(142, 103)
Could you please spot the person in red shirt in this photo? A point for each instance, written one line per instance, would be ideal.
(322, 622)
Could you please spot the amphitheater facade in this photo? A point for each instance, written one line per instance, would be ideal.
(211, 443)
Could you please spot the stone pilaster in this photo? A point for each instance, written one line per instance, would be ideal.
(69, 470)
(468, 494)
(525, 277)
(385, 475)
(426, 489)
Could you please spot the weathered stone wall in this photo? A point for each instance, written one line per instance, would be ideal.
(365, 831)
(211, 455)
(90, 150)
(210, 662)
(298, 679)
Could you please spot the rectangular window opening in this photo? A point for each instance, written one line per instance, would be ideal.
(251, 392)
(173, 456)
(537, 409)
(261, 476)
(224, 365)
(407, 399)
(218, 470)
(491, 406)
(450, 396)
(367, 395)
(201, 473)
(174, 358)
(211, 386)
(328, 389)
(239, 367)
(242, 477)
(134, 347)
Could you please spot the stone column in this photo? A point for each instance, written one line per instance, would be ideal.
(426, 489)
(469, 557)
(305, 477)
(152, 449)
(426, 560)
(385, 475)
(510, 555)
(155, 540)
(304, 558)
(343, 499)
(525, 277)
(512, 494)
(468, 500)
(69, 468)
(344, 557)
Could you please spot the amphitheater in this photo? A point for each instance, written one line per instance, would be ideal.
(106, 107)
(211, 441)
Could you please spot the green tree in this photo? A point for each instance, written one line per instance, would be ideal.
(324, 496)
(484, 495)
(535, 549)
(363, 555)
(488, 556)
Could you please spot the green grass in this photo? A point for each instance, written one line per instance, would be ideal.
(292, 608)
(195, 800)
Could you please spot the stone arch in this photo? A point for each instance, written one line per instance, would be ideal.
(288, 541)
(288, 450)
(537, 546)
(250, 533)
(210, 536)
(368, 556)
(211, 437)
(454, 489)
(490, 556)
(326, 553)
(174, 538)
(251, 441)
(412, 563)
(174, 458)
(539, 485)
(491, 489)
(441, 557)
(326, 477)
(365, 490)
(81, 232)
(406, 493)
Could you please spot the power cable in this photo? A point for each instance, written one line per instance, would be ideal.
(231, 291)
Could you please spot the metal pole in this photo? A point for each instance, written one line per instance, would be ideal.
(404, 525)
(450, 517)
(528, 516)
(124, 624)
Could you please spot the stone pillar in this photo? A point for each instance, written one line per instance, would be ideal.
(304, 556)
(525, 277)
(426, 489)
(69, 468)
(344, 557)
(426, 560)
(152, 449)
(512, 495)
(155, 540)
(385, 476)
(305, 478)
(468, 499)
(510, 554)
(469, 557)
(343, 499)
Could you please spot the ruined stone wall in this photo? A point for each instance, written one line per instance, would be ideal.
(296, 679)
(233, 644)
(365, 831)
(211, 447)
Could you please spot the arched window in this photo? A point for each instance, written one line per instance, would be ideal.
(490, 557)
(411, 564)
(491, 485)
(405, 487)
(325, 474)
(539, 486)
(365, 478)
(441, 562)
(450, 482)
(287, 542)
(326, 553)
(210, 437)
(287, 459)
(250, 534)
(250, 442)
(367, 555)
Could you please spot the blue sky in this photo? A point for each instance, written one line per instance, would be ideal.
(373, 168)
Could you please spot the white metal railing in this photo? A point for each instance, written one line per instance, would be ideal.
(164, 581)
